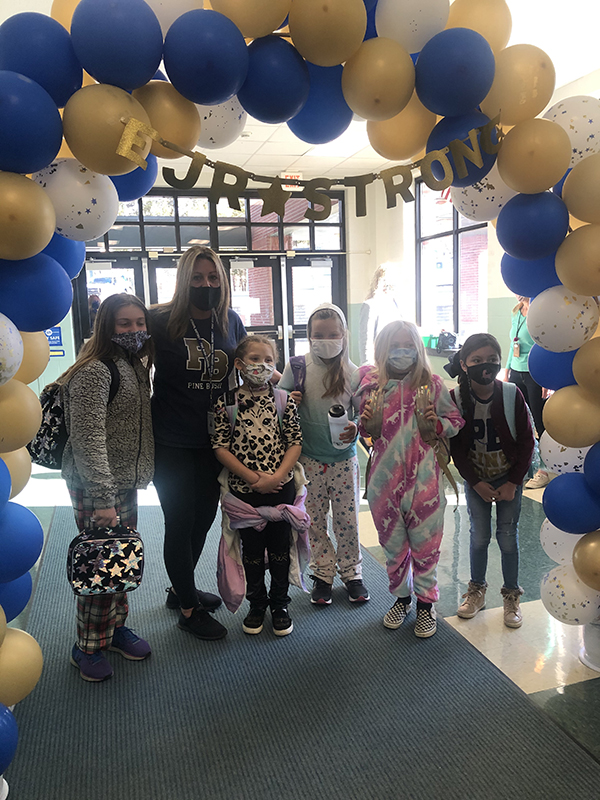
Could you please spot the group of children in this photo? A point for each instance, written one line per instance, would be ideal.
(410, 420)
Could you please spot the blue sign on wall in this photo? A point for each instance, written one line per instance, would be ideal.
(54, 336)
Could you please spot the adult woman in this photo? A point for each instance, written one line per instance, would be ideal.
(379, 308)
(195, 337)
(109, 455)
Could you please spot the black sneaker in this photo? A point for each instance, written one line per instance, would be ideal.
(357, 591)
(208, 601)
(282, 624)
(254, 621)
(201, 625)
(321, 592)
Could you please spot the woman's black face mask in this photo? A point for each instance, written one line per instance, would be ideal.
(205, 298)
(483, 374)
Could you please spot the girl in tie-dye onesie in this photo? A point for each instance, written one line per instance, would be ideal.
(405, 489)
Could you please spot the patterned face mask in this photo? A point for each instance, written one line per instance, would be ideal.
(133, 341)
(257, 374)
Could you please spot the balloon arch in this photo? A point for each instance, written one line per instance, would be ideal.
(428, 77)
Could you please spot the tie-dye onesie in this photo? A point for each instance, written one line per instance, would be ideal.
(405, 490)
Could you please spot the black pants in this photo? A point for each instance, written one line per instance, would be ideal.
(187, 484)
(532, 392)
(275, 539)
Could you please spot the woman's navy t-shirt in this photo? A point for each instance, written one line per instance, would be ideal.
(182, 386)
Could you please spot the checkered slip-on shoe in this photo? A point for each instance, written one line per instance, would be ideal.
(426, 624)
(396, 615)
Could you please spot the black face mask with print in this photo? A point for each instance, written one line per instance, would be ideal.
(205, 298)
(483, 374)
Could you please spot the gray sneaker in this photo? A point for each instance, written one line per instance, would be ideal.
(473, 600)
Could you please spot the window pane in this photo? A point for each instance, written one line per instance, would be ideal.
(295, 208)
(96, 245)
(102, 283)
(296, 238)
(252, 295)
(473, 282)
(232, 237)
(165, 283)
(335, 211)
(193, 209)
(194, 234)
(225, 213)
(327, 237)
(256, 205)
(158, 208)
(124, 237)
(301, 347)
(159, 236)
(264, 238)
(436, 211)
(311, 285)
(437, 286)
(129, 211)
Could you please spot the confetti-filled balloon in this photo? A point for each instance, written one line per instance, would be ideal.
(11, 349)
(485, 199)
(558, 545)
(579, 116)
(567, 598)
(222, 124)
(560, 459)
(411, 23)
(560, 320)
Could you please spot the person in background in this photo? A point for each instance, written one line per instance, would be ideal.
(379, 308)
(108, 456)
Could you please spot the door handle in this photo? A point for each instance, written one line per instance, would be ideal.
(280, 332)
(290, 332)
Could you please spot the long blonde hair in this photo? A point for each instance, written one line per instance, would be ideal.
(337, 377)
(421, 371)
(179, 306)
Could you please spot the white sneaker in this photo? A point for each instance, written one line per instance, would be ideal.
(539, 480)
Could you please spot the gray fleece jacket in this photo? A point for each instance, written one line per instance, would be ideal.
(110, 446)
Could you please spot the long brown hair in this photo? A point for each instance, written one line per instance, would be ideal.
(474, 342)
(421, 372)
(101, 347)
(337, 377)
(179, 306)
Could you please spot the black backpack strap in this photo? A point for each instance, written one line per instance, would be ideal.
(115, 378)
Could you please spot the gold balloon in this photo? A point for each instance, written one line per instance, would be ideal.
(20, 415)
(490, 18)
(578, 260)
(586, 366)
(581, 190)
(21, 664)
(27, 217)
(255, 18)
(171, 114)
(93, 123)
(403, 136)
(3, 627)
(327, 33)
(572, 417)
(19, 466)
(523, 84)
(534, 156)
(379, 79)
(62, 11)
(36, 354)
(586, 560)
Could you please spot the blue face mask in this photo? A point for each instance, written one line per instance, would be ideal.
(401, 359)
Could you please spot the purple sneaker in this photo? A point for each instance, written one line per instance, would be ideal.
(129, 645)
(93, 667)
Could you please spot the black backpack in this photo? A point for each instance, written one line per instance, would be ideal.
(48, 445)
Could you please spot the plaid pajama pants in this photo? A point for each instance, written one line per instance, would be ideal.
(97, 617)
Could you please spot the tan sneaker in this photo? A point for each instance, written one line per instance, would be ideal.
(473, 600)
(539, 480)
(512, 612)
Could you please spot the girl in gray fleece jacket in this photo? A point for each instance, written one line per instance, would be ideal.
(109, 456)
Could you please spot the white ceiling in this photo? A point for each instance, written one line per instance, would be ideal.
(566, 31)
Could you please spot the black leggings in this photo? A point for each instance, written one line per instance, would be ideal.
(187, 484)
(532, 392)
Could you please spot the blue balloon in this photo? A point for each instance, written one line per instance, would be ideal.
(549, 369)
(451, 128)
(137, 183)
(571, 505)
(69, 253)
(117, 41)
(9, 736)
(558, 187)
(21, 540)
(532, 226)
(35, 293)
(277, 85)
(205, 57)
(326, 114)
(529, 278)
(39, 47)
(5, 484)
(370, 5)
(31, 127)
(15, 595)
(454, 72)
(591, 468)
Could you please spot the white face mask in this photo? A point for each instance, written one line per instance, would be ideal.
(327, 348)
(257, 374)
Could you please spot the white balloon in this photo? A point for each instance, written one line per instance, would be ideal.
(484, 200)
(412, 23)
(567, 598)
(560, 459)
(11, 349)
(86, 203)
(558, 545)
(167, 11)
(221, 124)
(561, 321)
(579, 116)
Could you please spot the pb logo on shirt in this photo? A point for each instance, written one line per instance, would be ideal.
(197, 361)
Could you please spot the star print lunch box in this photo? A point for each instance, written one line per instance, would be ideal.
(105, 561)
